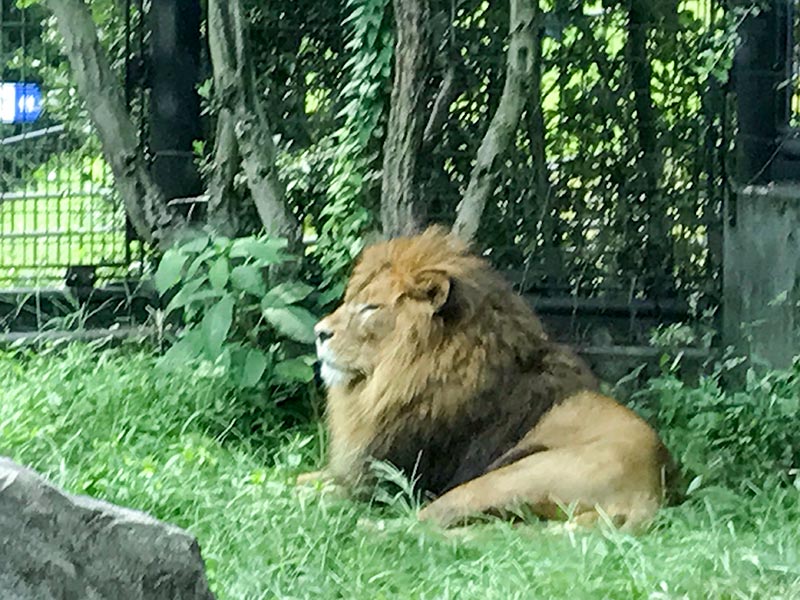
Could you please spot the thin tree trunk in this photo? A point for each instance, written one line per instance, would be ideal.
(536, 128)
(234, 87)
(521, 61)
(221, 215)
(102, 93)
(657, 250)
(541, 209)
(402, 207)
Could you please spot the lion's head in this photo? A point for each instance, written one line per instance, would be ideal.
(409, 299)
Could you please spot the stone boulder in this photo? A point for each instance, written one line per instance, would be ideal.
(55, 545)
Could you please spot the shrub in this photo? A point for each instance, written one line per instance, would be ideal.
(738, 439)
(242, 318)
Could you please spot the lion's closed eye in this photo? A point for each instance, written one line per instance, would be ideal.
(365, 310)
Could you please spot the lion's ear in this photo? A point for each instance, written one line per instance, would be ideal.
(435, 287)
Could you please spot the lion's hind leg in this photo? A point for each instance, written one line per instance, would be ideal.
(582, 478)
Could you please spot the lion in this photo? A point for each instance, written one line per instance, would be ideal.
(434, 364)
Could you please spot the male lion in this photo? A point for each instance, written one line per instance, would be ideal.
(434, 364)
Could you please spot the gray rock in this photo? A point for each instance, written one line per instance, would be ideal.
(55, 545)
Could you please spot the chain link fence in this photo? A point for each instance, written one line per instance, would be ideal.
(57, 204)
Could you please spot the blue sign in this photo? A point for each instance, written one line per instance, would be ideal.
(20, 102)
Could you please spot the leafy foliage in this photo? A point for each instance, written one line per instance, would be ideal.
(351, 178)
(733, 439)
(240, 321)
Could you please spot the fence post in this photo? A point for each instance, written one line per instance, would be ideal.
(761, 255)
(175, 104)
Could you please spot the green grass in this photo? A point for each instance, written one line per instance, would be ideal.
(189, 450)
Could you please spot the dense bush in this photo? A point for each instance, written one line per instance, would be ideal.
(243, 316)
(742, 440)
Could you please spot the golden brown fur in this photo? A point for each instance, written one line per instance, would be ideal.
(434, 364)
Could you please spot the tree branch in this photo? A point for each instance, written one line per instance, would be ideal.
(441, 105)
(234, 86)
(453, 68)
(103, 95)
(520, 66)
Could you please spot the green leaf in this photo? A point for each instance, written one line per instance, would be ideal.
(169, 270)
(216, 324)
(254, 366)
(286, 293)
(185, 294)
(196, 245)
(294, 370)
(265, 251)
(218, 273)
(694, 485)
(292, 321)
(221, 243)
(187, 349)
(203, 295)
(248, 278)
(331, 294)
(199, 261)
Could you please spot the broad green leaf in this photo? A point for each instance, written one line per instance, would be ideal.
(286, 293)
(330, 295)
(221, 243)
(254, 366)
(216, 324)
(248, 278)
(294, 370)
(169, 270)
(196, 245)
(218, 273)
(198, 262)
(203, 295)
(185, 294)
(292, 321)
(184, 351)
(266, 251)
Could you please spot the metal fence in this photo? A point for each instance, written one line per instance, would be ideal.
(634, 140)
(623, 197)
(57, 204)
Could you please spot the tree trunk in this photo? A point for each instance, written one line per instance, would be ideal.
(657, 252)
(402, 207)
(541, 207)
(102, 93)
(221, 214)
(234, 88)
(521, 61)
(536, 127)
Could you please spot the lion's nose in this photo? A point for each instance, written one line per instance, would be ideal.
(323, 333)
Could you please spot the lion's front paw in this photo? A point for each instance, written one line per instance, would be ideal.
(320, 481)
(438, 513)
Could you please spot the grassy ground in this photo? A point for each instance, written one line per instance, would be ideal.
(188, 450)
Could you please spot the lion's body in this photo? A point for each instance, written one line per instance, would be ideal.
(434, 364)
